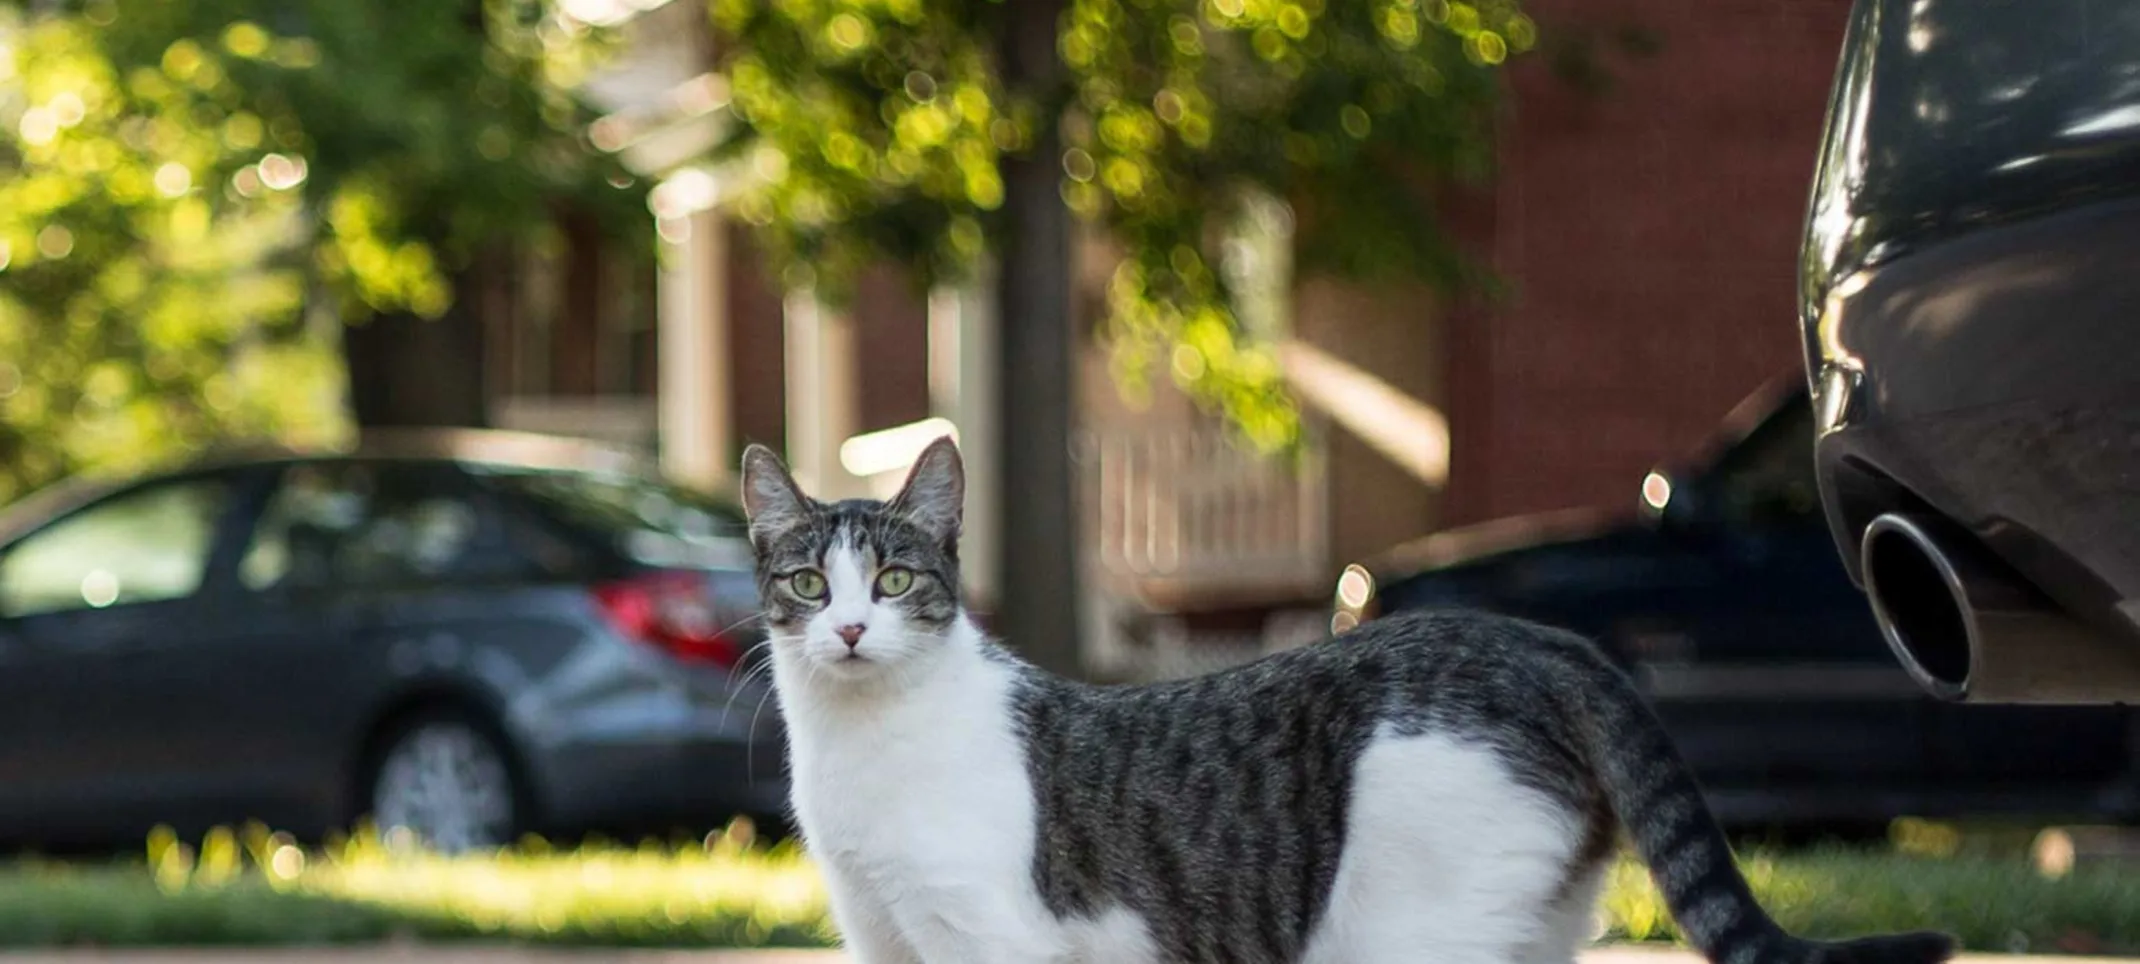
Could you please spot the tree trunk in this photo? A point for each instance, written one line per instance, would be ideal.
(1039, 602)
(406, 371)
(409, 371)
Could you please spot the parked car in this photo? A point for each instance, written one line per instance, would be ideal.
(1723, 598)
(1971, 320)
(468, 634)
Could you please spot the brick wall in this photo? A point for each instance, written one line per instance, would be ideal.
(891, 319)
(1651, 234)
(757, 384)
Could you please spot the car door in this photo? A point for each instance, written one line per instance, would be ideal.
(443, 568)
(2080, 760)
(409, 567)
(83, 599)
(266, 694)
(357, 574)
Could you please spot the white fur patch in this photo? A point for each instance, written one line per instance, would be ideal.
(847, 581)
(1449, 860)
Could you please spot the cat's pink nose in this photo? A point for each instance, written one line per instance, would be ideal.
(851, 634)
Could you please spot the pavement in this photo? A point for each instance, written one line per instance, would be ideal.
(512, 955)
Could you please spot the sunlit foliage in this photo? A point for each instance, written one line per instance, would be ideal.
(874, 129)
(728, 889)
(194, 197)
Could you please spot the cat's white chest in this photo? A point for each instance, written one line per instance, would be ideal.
(922, 805)
(936, 777)
(919, 812)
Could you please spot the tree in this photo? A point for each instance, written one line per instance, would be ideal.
(195, 198)
(930, 132)
(881, 130)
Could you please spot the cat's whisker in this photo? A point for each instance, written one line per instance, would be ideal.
(741, 684)
(755, 671)
(750, 752)
(740, 623)
(751, 665)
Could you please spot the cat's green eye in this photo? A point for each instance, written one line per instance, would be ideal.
(808, 583)
(894, 581)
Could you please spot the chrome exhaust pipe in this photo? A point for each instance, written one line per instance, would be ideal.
(1967, 628)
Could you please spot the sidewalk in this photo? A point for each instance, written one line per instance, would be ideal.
(506, 955)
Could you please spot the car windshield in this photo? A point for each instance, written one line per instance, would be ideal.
(651, 521)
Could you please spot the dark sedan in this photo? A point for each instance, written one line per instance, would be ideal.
(467, 634)
(1723, 597)
(1971, 316)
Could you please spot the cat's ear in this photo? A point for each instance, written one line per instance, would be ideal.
(771, 498)
(934, 497)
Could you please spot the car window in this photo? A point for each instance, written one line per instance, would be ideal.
(650, 520)
(376, 524)
(1768, 477)
(149, 545)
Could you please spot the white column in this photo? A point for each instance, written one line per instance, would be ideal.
(822, 394)
(962, 388)
(692, 406)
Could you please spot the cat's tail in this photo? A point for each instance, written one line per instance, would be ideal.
(1654, 795)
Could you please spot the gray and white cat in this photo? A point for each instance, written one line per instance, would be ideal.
(1440, 788)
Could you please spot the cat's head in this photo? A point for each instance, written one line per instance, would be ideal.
(855, 587)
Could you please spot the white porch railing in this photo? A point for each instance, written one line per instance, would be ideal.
(1182, 510)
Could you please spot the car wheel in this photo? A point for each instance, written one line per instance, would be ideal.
(446, 781)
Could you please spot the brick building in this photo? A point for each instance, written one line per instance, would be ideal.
(1652, 234)
(1649, 231)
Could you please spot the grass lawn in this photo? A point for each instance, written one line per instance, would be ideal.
(253, 887)
(1993, 904)
(257, 888)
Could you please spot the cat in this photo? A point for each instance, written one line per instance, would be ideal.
(1439, 787)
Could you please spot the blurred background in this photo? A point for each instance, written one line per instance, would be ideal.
(372, 378)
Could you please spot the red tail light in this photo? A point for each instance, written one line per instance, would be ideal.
(669, 610)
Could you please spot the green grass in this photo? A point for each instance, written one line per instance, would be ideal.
(257, 888)
(1990, 904)
(48, 907)
(1982, 889)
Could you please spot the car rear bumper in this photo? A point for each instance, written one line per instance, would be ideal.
(1989, 379)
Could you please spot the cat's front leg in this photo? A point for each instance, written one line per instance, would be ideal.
(867, 930)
